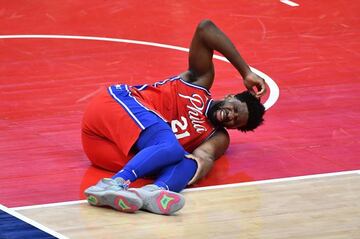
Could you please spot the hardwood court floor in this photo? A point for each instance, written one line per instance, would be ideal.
(326, 207)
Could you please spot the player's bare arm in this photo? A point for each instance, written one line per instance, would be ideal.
(208, 152)
(207, 38)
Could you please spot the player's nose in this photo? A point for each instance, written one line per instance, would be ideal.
(232, 115)
(235, 115)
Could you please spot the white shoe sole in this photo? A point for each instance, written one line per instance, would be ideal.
(123, 201)
(160, 201)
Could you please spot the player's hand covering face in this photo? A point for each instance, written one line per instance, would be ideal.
(230, 113)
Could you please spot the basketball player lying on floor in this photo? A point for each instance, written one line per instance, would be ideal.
(149, 129)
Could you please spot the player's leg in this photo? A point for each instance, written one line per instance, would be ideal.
(173, 178)
(176, 177)
(157, 148)
(159, 151)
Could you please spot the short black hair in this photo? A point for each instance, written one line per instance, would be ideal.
(255, 108)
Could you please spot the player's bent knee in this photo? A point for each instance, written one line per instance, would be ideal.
(174, 150)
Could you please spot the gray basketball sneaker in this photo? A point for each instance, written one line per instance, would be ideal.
(158, 200)
(113, 193)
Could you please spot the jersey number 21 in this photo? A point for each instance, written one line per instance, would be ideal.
(179, 128)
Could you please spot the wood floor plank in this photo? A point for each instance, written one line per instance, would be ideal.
(312, 208)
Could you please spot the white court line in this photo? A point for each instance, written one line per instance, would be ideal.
(57, 204)
(276, 180)
(32, 222)
(233, 185)
(290, 3)
(274, 89)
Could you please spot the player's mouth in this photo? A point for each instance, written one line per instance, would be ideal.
(221, 115)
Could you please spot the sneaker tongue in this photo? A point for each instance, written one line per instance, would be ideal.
(122, 183)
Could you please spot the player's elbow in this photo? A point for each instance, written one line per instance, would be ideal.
(205, 25)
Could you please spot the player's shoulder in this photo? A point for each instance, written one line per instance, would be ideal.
(205, 80)
(187, 79)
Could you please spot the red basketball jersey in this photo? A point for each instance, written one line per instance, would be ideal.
(183, 105)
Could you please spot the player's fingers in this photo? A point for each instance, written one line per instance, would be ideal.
(191, 156)
(260, 93)
(258, 87)
(251, 90)
(261, 89)
(198, 168)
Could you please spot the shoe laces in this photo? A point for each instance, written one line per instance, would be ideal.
(122, 184)
(125, 185)
(116, 184)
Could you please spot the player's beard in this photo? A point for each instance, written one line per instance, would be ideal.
(212, 113)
